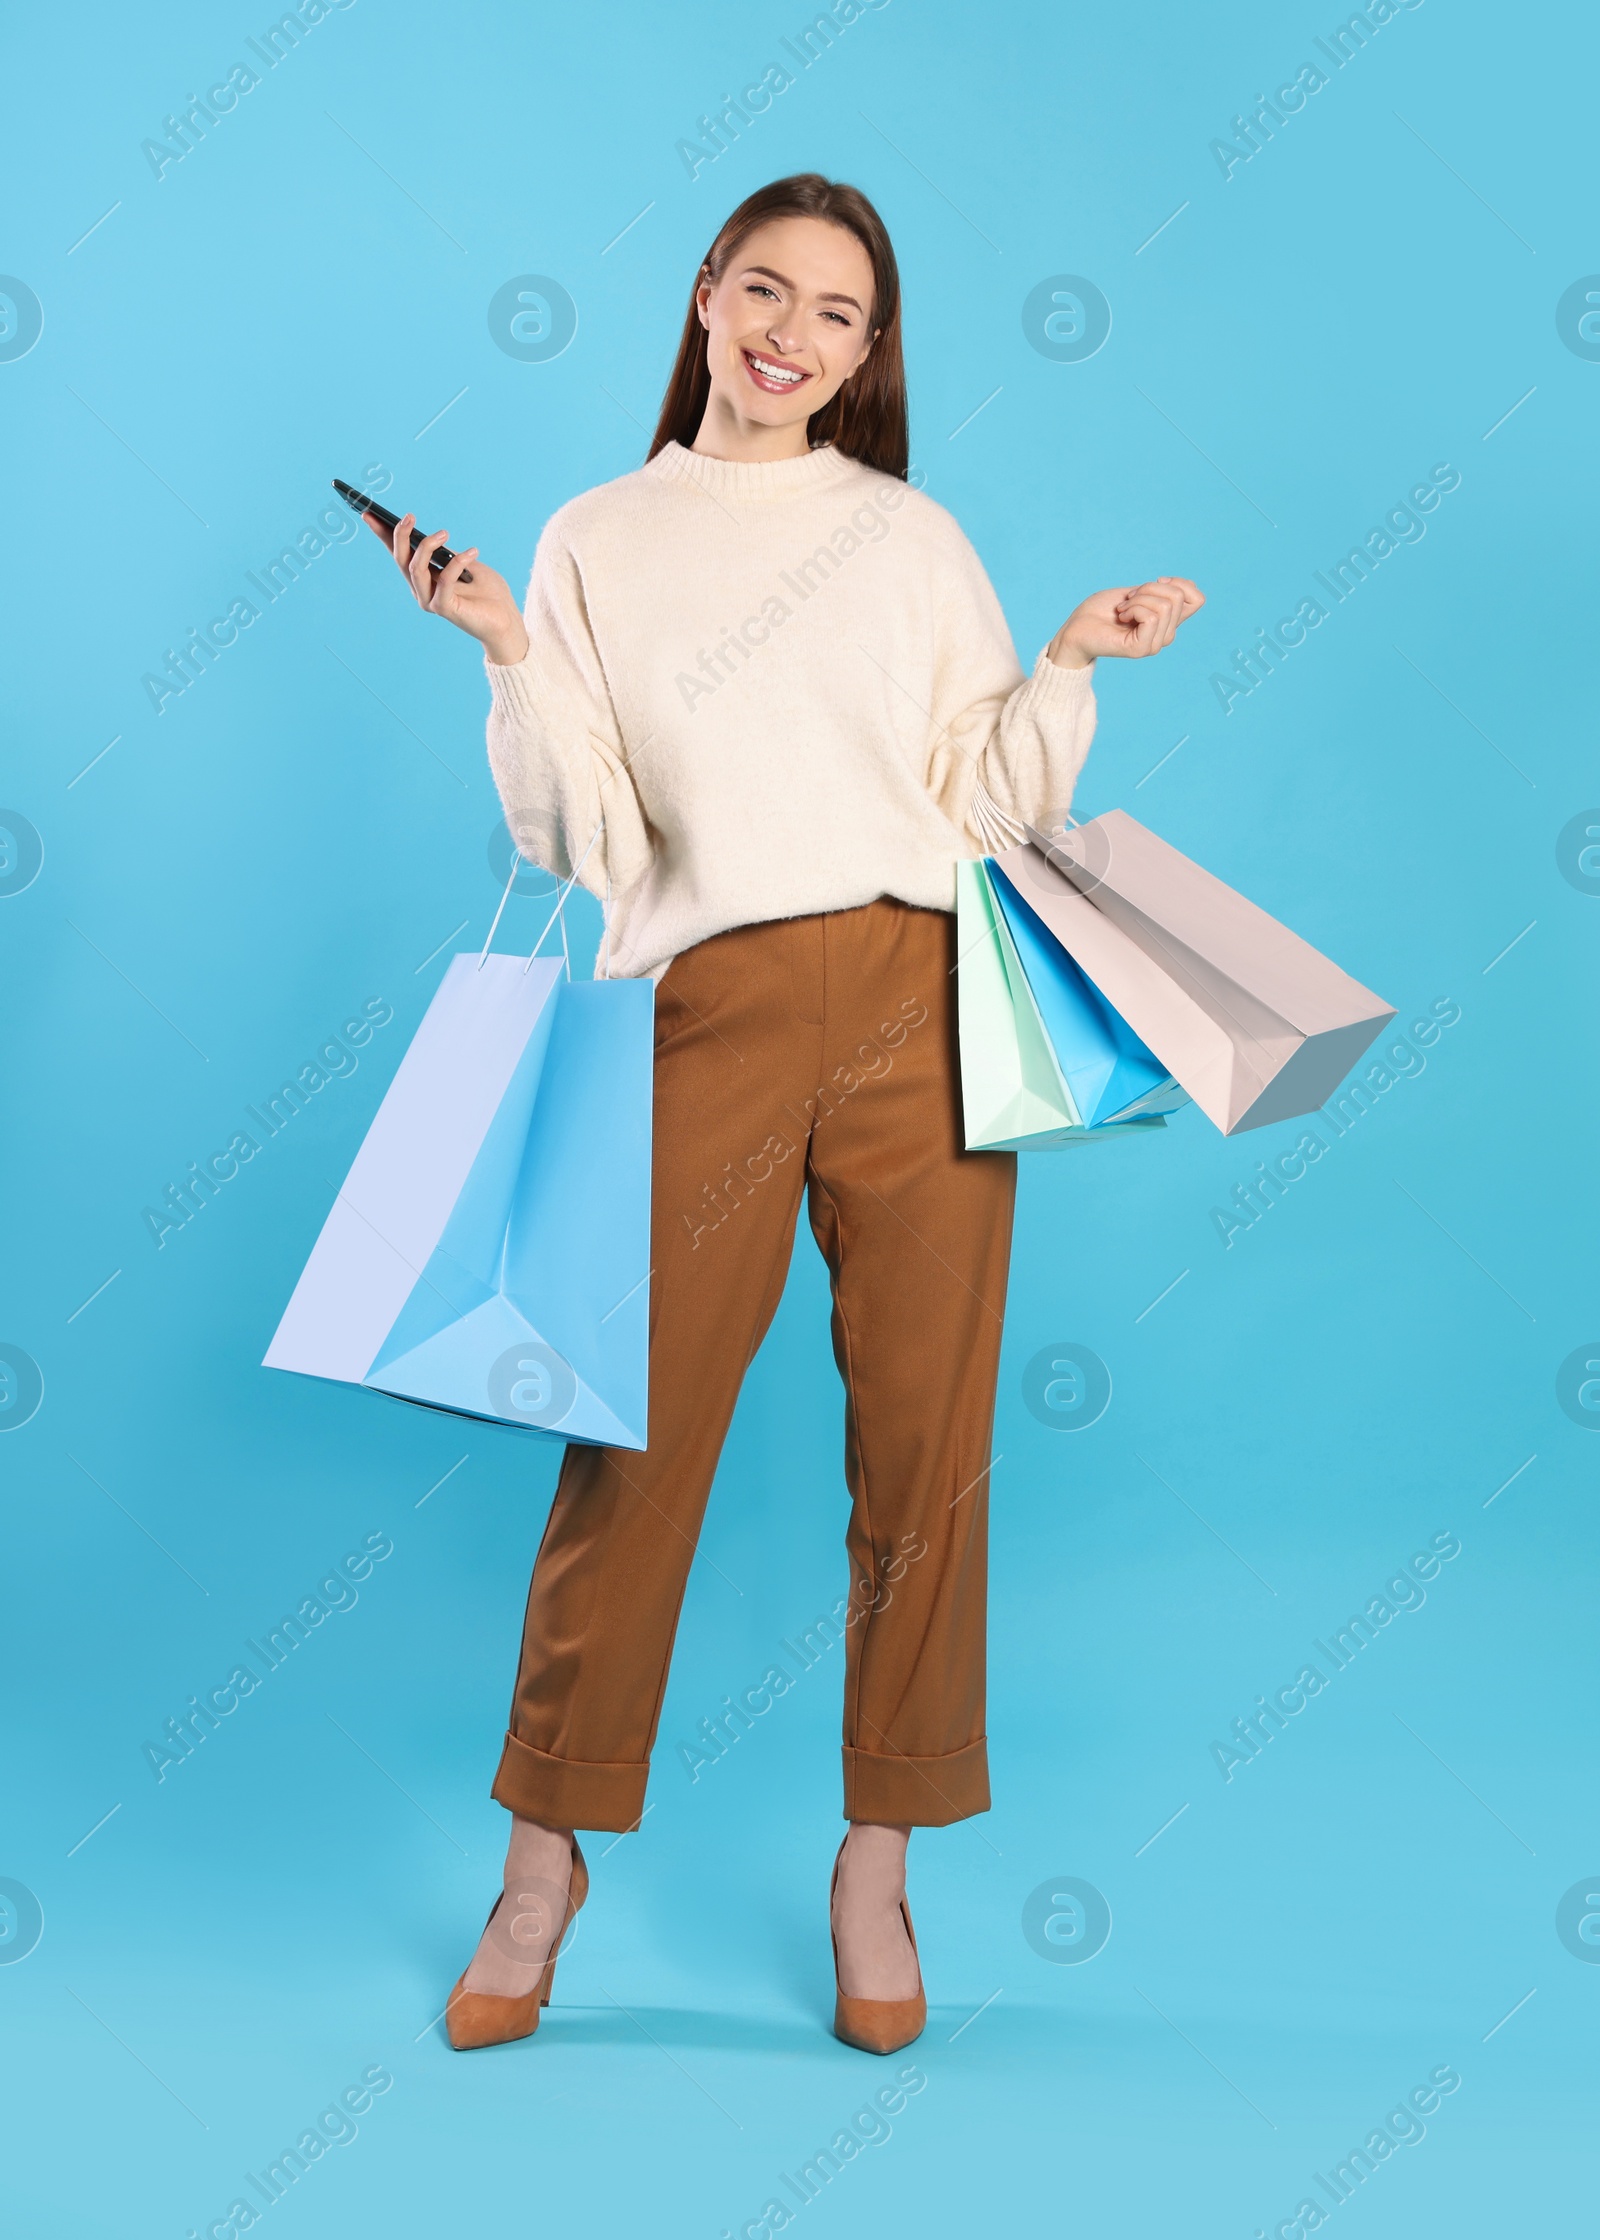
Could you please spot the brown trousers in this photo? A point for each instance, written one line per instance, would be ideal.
(810, 1056)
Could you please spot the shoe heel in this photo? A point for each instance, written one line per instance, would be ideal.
(577, 1891)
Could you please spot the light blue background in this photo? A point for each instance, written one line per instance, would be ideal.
(308, 828)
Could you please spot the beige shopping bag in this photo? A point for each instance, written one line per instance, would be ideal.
(1255, 1023)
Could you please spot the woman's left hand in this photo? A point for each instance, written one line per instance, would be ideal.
(1133, 621)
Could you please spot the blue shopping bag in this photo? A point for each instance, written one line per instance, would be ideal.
(489, 1253)
(1110, 1073)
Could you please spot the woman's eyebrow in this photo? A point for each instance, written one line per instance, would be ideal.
(767, 273)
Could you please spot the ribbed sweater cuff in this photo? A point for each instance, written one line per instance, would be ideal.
(515, 687)
(1055, 687)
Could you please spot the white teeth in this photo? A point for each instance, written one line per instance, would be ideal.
(772, 372)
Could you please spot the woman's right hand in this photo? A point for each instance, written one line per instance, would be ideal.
(485, 608)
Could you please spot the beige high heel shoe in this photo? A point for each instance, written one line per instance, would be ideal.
(876, 2025)
(483, 2018)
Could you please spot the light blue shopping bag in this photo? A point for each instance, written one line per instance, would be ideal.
(1111, 1074)
(489, 1252)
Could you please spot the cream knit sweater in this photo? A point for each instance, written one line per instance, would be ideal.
(758, 690)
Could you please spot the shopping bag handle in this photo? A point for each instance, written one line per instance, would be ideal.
(561, 899)
(1066, 820)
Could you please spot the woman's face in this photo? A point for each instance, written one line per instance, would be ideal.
(787, 322)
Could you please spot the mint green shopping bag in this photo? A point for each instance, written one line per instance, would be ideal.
(1013, 1095)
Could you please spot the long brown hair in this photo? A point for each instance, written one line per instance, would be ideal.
(867, 418)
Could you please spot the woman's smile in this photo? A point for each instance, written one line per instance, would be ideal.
(774, 375)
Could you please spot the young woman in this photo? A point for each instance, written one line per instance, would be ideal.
(761, 698)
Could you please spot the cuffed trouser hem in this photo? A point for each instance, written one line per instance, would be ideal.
(916, 1792)
(563, 1793)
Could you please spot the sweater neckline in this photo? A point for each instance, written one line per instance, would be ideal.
(753, 478)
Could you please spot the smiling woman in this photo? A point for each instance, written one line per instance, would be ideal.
(776, 836)
(783, 300)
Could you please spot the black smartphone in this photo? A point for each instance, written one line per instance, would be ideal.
(359, 502)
